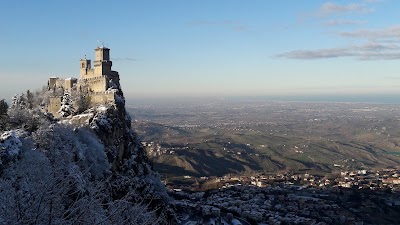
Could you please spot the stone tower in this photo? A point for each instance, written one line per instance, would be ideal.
(102, 63)
(85, 67)
(99, 78)
(100, 83)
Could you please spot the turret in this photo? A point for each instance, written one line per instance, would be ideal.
(102, 54)
(84, 67)
(102, 63)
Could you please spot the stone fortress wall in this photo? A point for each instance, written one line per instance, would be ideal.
(95, 82)
(55, 104)
(103, 97)
(67, 84)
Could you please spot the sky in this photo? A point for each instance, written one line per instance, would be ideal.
(179, 48)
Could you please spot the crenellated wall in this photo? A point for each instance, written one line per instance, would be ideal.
(96, 98)
(67, 84)
(96, 84)
(93, 81)
(102, 97)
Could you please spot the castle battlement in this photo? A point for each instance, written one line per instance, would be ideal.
(104, 92)
(95, 82)
(92, 78)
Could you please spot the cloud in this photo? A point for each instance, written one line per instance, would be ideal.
(369, 51)
(123, 59)
(383, 44)
(339, 22)
(389, 33)
(330, 8)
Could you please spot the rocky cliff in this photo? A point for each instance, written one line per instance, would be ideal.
(84, 169)
(131, 169)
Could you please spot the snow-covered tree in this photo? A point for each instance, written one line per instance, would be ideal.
(66, 108)
(14, 101)
(53, 173)
(18, 102)
(19, 115)
(62, 176)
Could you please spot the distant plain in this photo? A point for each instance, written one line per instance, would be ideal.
(218, 137)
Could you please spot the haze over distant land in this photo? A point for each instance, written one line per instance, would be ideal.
(169, 49)
(366, 98)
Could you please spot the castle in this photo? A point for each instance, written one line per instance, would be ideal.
(99, 83)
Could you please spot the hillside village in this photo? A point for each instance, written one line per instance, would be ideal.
(369, 197)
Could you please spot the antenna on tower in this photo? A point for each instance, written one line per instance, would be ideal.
(101, 44)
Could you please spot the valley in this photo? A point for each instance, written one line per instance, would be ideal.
(220, 137)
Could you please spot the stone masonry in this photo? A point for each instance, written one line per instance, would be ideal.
(99, 83)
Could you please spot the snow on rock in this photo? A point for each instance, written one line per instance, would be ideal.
(101, 108)
(101, 121)
(81, 119)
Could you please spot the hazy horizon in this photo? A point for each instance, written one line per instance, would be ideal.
(372, 99)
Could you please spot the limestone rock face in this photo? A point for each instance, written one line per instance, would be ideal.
(81, 119)
(131, 169)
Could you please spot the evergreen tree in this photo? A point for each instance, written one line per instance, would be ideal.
(66, 108)
(83, 102)
(3, 107)
(29, 99)
(14, 101)
(22, 101)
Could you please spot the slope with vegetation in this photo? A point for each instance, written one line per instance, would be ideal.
(85, 168)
